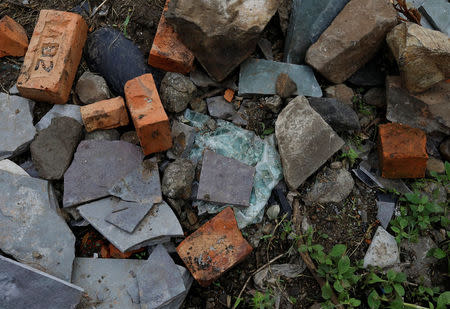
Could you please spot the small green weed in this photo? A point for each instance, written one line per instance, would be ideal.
(263, 300)
(350, 154)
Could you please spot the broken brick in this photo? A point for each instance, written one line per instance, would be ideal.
(106, 114)
(214, 248)
(13, 38)
(229, 95)
(168, 53)
(53, 57)
(148, 114)
(402, 151)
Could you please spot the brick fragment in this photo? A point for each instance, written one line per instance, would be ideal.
(168, 53)
(214, 248)
(53, 57)
(229, 95)
(13, 38)
(148, 114)
(402, 151)
(106, 114)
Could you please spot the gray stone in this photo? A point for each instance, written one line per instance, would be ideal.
(201, 79)
(309, 18)
(157, 227)
(224, 180)
(437, 12)
(52, 149)
(270, 275)
(129, 215)
(419, 265)
(176, 92)
(383, 250)
(435, 192)
(183, 137)
(24, 287)
(141, 185)
(266, 47)
(28, 166)
(65, 110)
(273, 103)
(129, 137)
(331, 186)
(341, 92)
(273, 212)
(429, 111)
(178, 178)
(435, 165)
(165, 283)
(375, 97)
(31, 230)
(338, 115)
(241, 117)
(386, 207)
(13, 90)
(259, 77)
(221, 34)
(352, 39)
(112, 283)
(218, 107)
(11, 167)
(198, 105)
(444, 149)
(103, 135)
(16, 125)
(305, 141)
(92, 88)
(96, 166)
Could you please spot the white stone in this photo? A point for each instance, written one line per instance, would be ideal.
(383, 251)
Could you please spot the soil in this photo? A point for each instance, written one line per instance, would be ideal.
(352, 222)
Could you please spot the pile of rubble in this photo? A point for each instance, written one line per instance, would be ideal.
(200, 140)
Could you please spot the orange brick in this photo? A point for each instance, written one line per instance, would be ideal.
(148, 114)
(214, 248)
(229, 95)
(106, 114)
(53, 57)
(402, 151)
(168, 53)
(13, 38)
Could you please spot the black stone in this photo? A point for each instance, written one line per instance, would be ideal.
(338, 115)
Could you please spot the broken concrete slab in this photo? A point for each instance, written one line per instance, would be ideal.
(352, 39)
(259, 76)
(17, 130)
(141, 185)
(65, 110)
(305, 141)
(11, 167)
(25, 287)
(129, 216)
(340, 116)
(165, 283)
(52, 149)
(309, 19)
(220, 34)
(383, 250)
(96, 167)
(214, 248)
(429, 111)
(437, 12)
(423, 55)
(158, 226)
(28, 213)
(224, 180)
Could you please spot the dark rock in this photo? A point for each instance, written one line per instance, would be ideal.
(52, 149)
(130, 137)
(370, 75)
(338, 115)
(117, 59)
(96, 166)
(176, 92)
(220, 34)
(218, 107)
(183, 137)
(178, 178)
(285, 86)
(375, 97)
(66, 110)
(92, 88)
(444, 149)
(266, 47)
(198, 105)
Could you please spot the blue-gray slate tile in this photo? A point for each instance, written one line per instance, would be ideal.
(437, 12)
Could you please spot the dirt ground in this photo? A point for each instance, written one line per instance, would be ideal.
(343, 223)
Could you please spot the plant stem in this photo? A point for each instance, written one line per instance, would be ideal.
(414, 306)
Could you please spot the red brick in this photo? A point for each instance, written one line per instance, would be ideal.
(402, 151)
(168, 53)
(53, 57)
(214, 248)
(13, 38)
(148, 114)
(229, 95)
(106, 114)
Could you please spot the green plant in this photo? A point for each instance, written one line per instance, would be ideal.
(362, 107)
(391, 289)
(263, 300)
(126, 22)
(350, 154)
(445, 178)
(416, 216)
